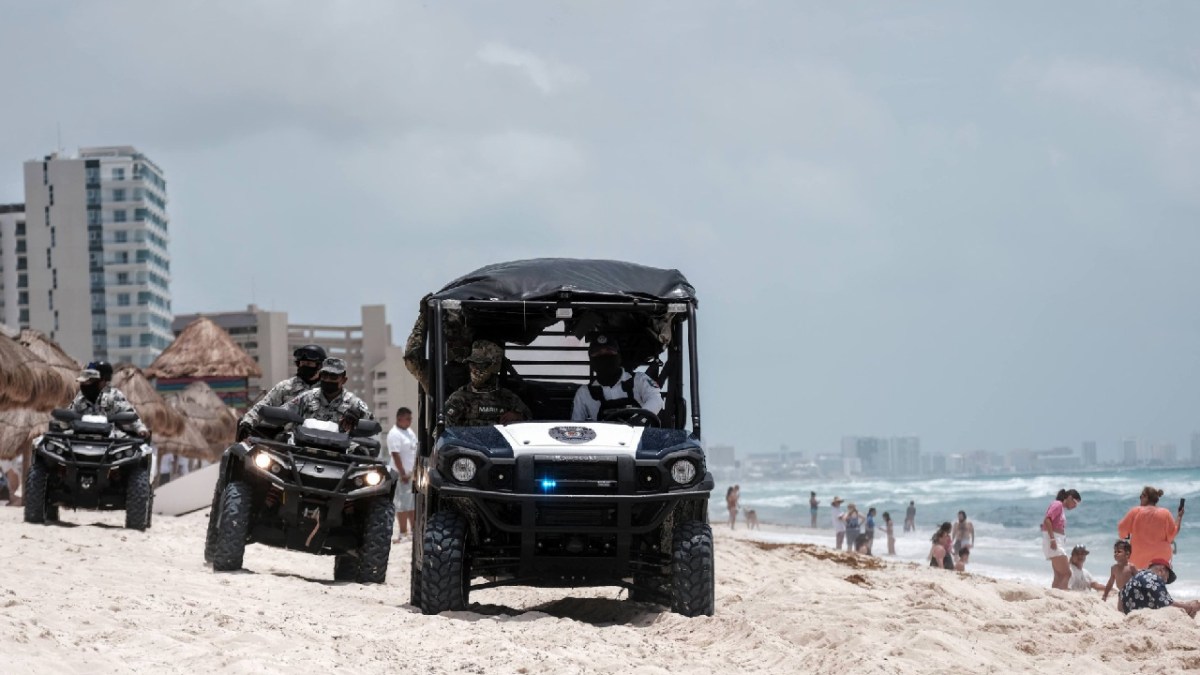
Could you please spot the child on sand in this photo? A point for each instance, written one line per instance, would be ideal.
(1121, 572)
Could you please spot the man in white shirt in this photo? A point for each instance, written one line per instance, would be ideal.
(613, 387)
(402, 448)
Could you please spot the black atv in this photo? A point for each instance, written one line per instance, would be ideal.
(314, 489)
(84, 462)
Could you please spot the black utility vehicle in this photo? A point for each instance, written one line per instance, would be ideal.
(313, 489)
(553, 502)
(86, 462)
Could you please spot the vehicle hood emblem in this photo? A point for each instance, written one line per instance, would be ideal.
(572, 434)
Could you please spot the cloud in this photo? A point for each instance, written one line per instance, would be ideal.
(548, 77)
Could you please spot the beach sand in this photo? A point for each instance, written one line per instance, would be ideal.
(91, 597)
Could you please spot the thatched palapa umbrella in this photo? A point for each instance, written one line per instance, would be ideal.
(162, 419)
(18, 428)
(16, 380)
(56, 378)
(205, 410)
(204, 352)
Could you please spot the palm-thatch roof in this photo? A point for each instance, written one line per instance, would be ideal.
(18, 428)
(16, 380)
(56, 379)
(203, 349)
(188, 442)
(201, 406)
(162, 419)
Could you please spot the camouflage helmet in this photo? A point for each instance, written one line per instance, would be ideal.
(485, 351)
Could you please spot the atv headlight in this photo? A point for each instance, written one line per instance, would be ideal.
(262, 460)
(372, 478)
(683, 471)
(463, 469)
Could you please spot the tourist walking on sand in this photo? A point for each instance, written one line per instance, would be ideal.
(731, 500)
(910, 518)
(1150, 529)
(939, 553)
(839, 525)
(1054, 536)
(812, 508)
(891, 535)
(964, 532)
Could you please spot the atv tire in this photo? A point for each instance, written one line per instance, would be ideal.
(36, 483)
(137, 499)
(692, 570)
(214, 514)
(444, 574)
(345, 568)
(377, 541)
(233, 522)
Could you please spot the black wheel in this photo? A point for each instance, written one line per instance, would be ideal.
(414, 570)
(345, 568)
(214, 514)
(233, 522)
(444, 573)
(137, 499)
(52, 513)
(150, 510)
(36, 482)
(377, 541)
(692, 586)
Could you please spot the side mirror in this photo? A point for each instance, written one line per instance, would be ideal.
(65, 415)
(123, 418)
(366, 428)
(279, 416)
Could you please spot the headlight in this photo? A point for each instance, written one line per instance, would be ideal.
(463, 469)
(683, 471)
(373, 478)
(262, 460)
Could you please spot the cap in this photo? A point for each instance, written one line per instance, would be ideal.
(837, 500)
(485, 351)
(1167, 564)
(603, 344)
(1080, 548)
(333, 365)
(88, 374)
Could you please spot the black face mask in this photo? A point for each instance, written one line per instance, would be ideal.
(330, 389)
(90, 390)
(608, 370)
(307, 373)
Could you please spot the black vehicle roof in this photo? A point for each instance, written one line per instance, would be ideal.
(548, 278)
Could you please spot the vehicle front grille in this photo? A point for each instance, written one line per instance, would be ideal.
(593, 478)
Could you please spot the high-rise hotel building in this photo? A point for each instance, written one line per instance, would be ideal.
(96, 271)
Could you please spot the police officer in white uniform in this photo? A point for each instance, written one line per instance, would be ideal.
(613, 387)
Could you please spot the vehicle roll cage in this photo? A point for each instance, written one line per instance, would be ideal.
(564, 308)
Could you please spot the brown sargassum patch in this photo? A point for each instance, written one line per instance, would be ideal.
(852, 560)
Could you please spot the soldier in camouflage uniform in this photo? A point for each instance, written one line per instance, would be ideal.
(331, 402)
(96, 397)
(482, 401)
(458, 347)
(308, 363)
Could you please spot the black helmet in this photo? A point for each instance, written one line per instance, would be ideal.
(309, 353)
(102, 367)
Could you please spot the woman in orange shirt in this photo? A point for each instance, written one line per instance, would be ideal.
(1151, 529)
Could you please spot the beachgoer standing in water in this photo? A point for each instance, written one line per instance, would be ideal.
(939, 553)
(964, 532)
(891, 535)
(854, 523)
(1054, 536)
(910, 518)
(731, 500)
(812, 508)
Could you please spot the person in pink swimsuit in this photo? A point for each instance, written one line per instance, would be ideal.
(1054, 536)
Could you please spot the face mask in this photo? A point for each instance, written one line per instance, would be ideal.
(481, 377)
(330, 389)
(307, 373)
(608, 370)
(90, 390)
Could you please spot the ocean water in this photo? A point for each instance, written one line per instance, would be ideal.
(1006, 512)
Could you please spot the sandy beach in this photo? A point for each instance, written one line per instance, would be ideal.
(90, 597)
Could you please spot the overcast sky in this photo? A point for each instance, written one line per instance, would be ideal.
(978, 225)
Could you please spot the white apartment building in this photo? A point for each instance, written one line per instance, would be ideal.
(98, 269)
(14, 282)
(375, 369)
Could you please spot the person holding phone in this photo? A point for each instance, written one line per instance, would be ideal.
(1151, 529)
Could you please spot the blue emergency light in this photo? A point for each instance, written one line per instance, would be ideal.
(548, 484)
